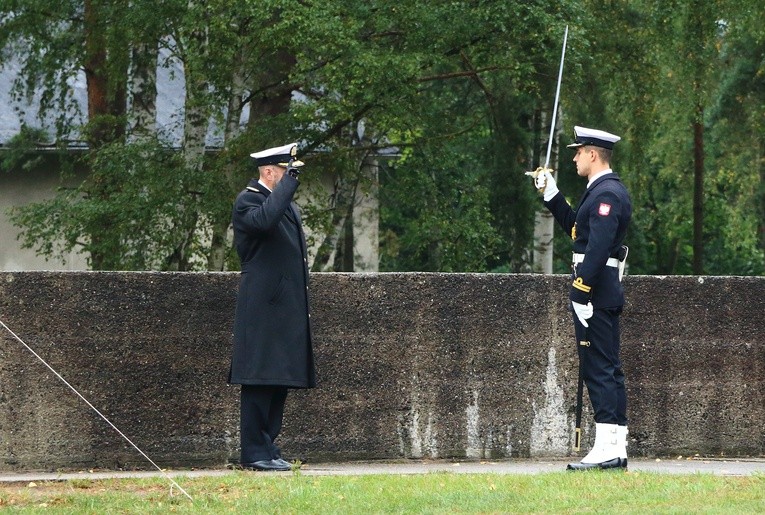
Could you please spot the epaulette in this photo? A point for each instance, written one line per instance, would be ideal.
(250, 188)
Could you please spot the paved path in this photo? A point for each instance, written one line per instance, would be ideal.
(725, 467)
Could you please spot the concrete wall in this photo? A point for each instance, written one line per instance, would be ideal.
(410, 365)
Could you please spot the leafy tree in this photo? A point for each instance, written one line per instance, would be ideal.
(58, 40)
(737, 132)
(436, 218)
(657, 78)
(480, 98)
(145, 223)
(460, 89)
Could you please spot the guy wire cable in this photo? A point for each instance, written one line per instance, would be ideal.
(172, 481)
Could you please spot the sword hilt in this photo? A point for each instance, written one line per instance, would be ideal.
(540, 181)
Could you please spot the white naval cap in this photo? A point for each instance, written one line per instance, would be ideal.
(275, 156)
(584, 136)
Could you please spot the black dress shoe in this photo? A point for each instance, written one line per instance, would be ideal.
(283, 463)
(616, 463)
(267, 465)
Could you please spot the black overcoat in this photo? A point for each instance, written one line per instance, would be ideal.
(272, 329)
(598, 227)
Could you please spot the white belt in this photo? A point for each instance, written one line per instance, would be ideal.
(578, 258)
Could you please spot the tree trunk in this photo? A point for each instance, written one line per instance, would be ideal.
(366, 220)
(143, 115)
(194, 132)
(698, 193)
(106, 106)
(341, 205)
(544, 224)
(357, 241)
(221, 235)
(196, 119)
(760, 198)
(352, 242)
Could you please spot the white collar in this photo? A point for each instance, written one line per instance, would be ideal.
(598, 176)
(266, 187)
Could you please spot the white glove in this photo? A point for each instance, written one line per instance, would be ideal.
(583, 312)
(550, 188)
(544, 182)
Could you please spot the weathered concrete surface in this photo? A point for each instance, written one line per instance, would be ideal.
(410, 365)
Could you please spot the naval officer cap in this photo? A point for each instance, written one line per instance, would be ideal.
(276, 156)
(584, 136)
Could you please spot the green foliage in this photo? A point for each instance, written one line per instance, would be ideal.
(456, 87)
(663, 66)
(471, 127)
(132, 200)
(21, 150)
(513, 200)
(415, 69)
(51, 37)
(435, 214)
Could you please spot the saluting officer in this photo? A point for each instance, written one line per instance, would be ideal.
(597, 227)
(272, 333)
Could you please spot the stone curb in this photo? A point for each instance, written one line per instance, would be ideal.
(680, 465)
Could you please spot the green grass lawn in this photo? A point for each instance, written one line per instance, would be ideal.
(251, 492)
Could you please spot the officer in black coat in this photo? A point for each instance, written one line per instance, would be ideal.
(597, 227)
(272, 348)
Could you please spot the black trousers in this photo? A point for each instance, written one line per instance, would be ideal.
(261, 414)
(601, 366)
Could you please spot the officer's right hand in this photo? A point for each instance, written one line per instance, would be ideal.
(293, 168)
(549, 189)
(544, 182)
(583, 312)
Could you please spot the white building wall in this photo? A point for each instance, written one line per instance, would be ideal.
(18, 189)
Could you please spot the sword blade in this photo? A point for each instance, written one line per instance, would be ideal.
(557, 96)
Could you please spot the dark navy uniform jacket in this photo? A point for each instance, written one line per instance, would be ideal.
(272, 330)
(598, 227)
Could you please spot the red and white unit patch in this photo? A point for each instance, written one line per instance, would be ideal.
(604, 209)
